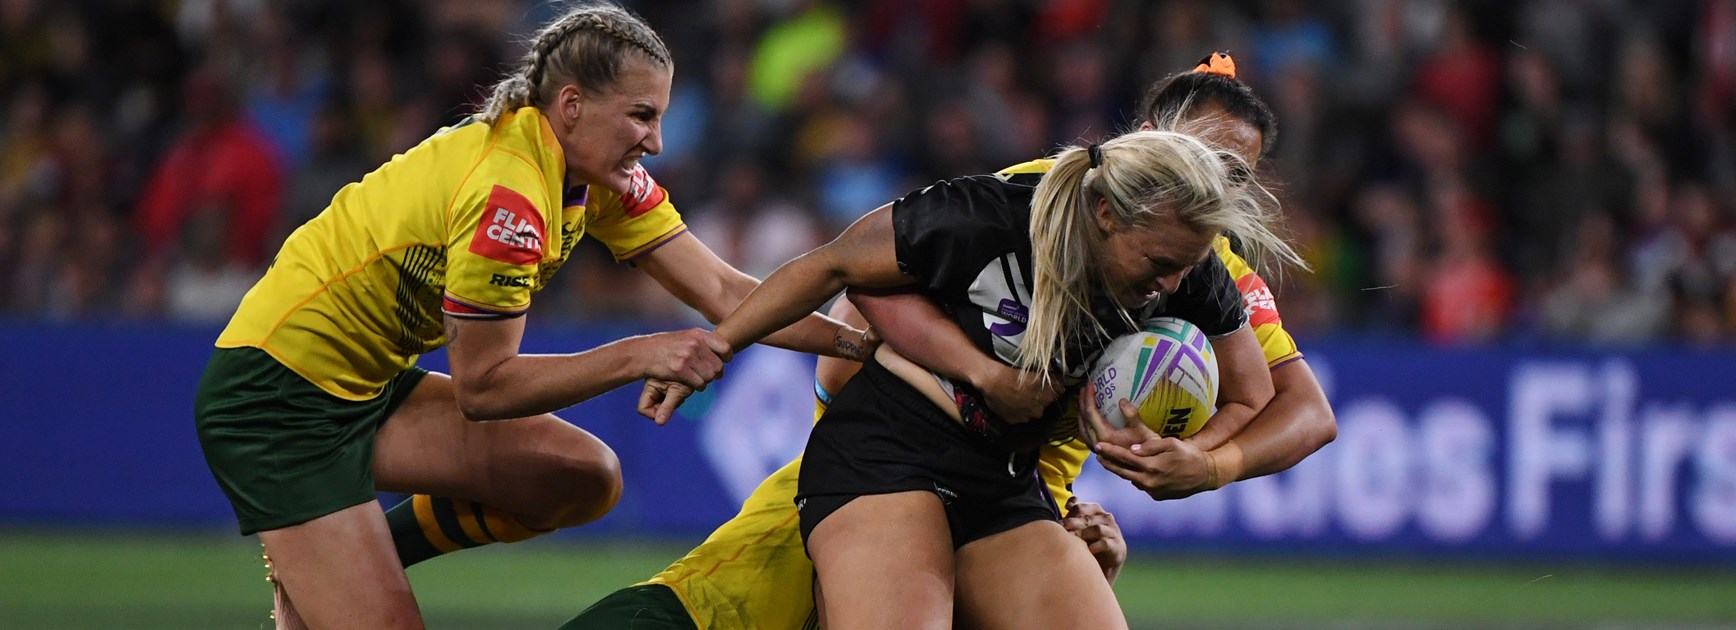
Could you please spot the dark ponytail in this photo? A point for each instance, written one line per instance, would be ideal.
(1174, 98)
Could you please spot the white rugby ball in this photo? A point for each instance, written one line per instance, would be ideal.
(1167, 370)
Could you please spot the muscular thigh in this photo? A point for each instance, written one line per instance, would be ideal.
(1034, 576)
(885, 561)
(341, 571)
(427, 446)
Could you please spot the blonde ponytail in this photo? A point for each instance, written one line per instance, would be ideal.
(1142, 175)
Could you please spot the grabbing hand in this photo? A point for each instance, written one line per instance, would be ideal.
(660, 398)
(1163, 467)
(692, 357)
(1017, 396)
(1097, 527)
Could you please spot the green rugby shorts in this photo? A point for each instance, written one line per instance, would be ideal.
(283, 450)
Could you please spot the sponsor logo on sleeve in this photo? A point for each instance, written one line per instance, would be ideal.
(643, 194)
(1257, 299)
(511, 230)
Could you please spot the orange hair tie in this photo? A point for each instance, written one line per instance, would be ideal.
(1217, 63)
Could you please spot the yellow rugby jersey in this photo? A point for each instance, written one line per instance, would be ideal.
(468, 223)
(752, 572)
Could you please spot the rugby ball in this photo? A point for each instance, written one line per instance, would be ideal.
(1167, 370)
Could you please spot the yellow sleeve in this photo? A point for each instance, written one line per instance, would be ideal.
(1261, 307)
(635, 223)
(753, 571)
(496, 239)
(1059, 465)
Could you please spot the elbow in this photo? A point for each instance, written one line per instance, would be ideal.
(478, 406)
(729, 296)
(477, 411)
(1325, 426)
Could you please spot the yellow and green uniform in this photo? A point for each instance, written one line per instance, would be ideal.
(753, 571)
(468, 223)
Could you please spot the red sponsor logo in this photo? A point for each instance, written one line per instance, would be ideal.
(643, 194)
(1257, 299)
(511, 230)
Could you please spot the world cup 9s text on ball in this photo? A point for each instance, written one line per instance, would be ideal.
(1167, 370)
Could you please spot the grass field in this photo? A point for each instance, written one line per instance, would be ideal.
(55, 580)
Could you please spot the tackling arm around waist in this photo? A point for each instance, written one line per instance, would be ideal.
(920, 378)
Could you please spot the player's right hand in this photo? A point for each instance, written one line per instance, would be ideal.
(1017, 396)
(692, 357)
(660, 398)
(1163, 467)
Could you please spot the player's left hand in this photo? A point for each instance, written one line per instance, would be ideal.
(1163, 467)
(660, 398)
(1097, 527)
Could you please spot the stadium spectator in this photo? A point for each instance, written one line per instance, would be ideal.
(1561, 110)
(221, 160)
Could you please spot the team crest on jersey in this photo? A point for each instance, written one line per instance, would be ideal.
(1001, 290)
(643, 194)
(511, 230)
(1262, 308)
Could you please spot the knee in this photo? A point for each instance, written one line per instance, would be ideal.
(589, 482)
(598, 482)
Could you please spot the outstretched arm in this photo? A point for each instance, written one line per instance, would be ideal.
(694, 274)
(495, 382)
(864, 255)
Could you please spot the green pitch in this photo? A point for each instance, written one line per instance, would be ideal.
(213, 581)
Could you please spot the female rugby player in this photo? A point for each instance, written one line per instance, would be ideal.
(312, 400)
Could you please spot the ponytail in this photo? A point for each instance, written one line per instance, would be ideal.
(1141, 176)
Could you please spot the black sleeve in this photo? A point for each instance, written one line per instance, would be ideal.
(944, 233)
(1208, 297)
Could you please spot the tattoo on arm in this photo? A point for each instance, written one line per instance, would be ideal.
(849, 348)
(451, 330)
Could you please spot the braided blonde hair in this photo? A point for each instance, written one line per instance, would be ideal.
(1143, 175)
(587, 46)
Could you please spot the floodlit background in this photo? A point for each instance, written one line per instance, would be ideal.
(1521, 217)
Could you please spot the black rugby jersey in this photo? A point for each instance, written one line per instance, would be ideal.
(967, 242)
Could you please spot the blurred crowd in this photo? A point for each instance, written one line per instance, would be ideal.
(1550, 170)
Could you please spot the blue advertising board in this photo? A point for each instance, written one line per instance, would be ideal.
(1536, 453)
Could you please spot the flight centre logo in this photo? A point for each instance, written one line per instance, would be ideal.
(511, 230)
(643, 193)
(1260, 305)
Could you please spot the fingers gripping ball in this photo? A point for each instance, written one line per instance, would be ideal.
(1167, 370)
